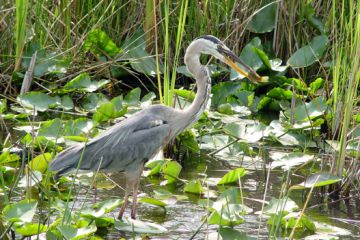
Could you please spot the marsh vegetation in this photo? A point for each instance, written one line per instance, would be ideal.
(279, 159)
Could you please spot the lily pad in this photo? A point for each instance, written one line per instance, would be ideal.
(152, 201)
(40, 162)
(317, 180)
(171, 171)
(101, 208)
(309, 54)
(232, 176)
(310, 110)
(38, 101)
(264, 20)
(193, 186)
(250, 57)
(74, 233)
(22, 211)
(228, 233)
(98, 42)
(289, 160)
(83, 82)
(276, 206)
(140, 60)
(131, 225)
(30, 229)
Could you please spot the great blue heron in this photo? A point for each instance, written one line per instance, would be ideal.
(127, 145)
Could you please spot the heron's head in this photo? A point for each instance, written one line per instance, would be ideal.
(213, 46)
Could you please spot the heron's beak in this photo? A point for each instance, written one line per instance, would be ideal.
(236, 63)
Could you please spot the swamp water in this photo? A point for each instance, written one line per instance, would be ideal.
(183, 217)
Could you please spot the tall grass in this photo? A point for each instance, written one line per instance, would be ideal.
(346, 73)
(20, 30)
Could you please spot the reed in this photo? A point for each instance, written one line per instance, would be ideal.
(20, 31)
(345, 74)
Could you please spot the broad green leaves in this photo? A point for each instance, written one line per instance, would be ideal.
(232, 176)
(38, 101)
(193, 186)
(140, 60)
(99, 43)
(101, 208)
(74, 233)
(130, 225)
(309, 111)
(22, 211)
(309, 54)
(83, 83)
(171, 171)
(264, 20)
(317, 180)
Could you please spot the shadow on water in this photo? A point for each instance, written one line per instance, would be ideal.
(185, 216)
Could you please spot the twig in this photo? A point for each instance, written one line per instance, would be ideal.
(28, 75)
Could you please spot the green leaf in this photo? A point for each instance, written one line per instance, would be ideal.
(222, 90)
(232, 176)
(140, 60)
(188, 139)
(280, 93)
(289, 160)
(3, 105)
(171, 171)
(66, 102)
(73, 233)
(46, 63)
(83, 82)
(228, 214)
(250, 57)
(133, 97)
(109, 110)
(277, 206)
(289, 221)
(315, 85)
(22, 211)
(101, 208)
(186, 94)
(30, 229)
(228, 233)
(98, 42)
(38, 101)
(31, 179)
(317, 180)
(251, 132)
(78, 126)
(310, 110)
(92, 101)
(309, 54)
(51, 129)
(152, 201)
(155, 166)
(193, 186)
(40, 162)
(137, 226)
(313, 20)
(264, 20)
(6, 157)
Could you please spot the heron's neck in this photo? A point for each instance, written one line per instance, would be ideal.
(203, 84)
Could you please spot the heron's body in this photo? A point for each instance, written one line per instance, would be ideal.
(127, 145)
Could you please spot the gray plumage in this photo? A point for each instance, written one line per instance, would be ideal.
(127, 145)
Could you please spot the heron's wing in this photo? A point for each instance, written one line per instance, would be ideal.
(129, 144)
(120, 147)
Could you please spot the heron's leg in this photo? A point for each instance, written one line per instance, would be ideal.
(129, 186)
(134, 200)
